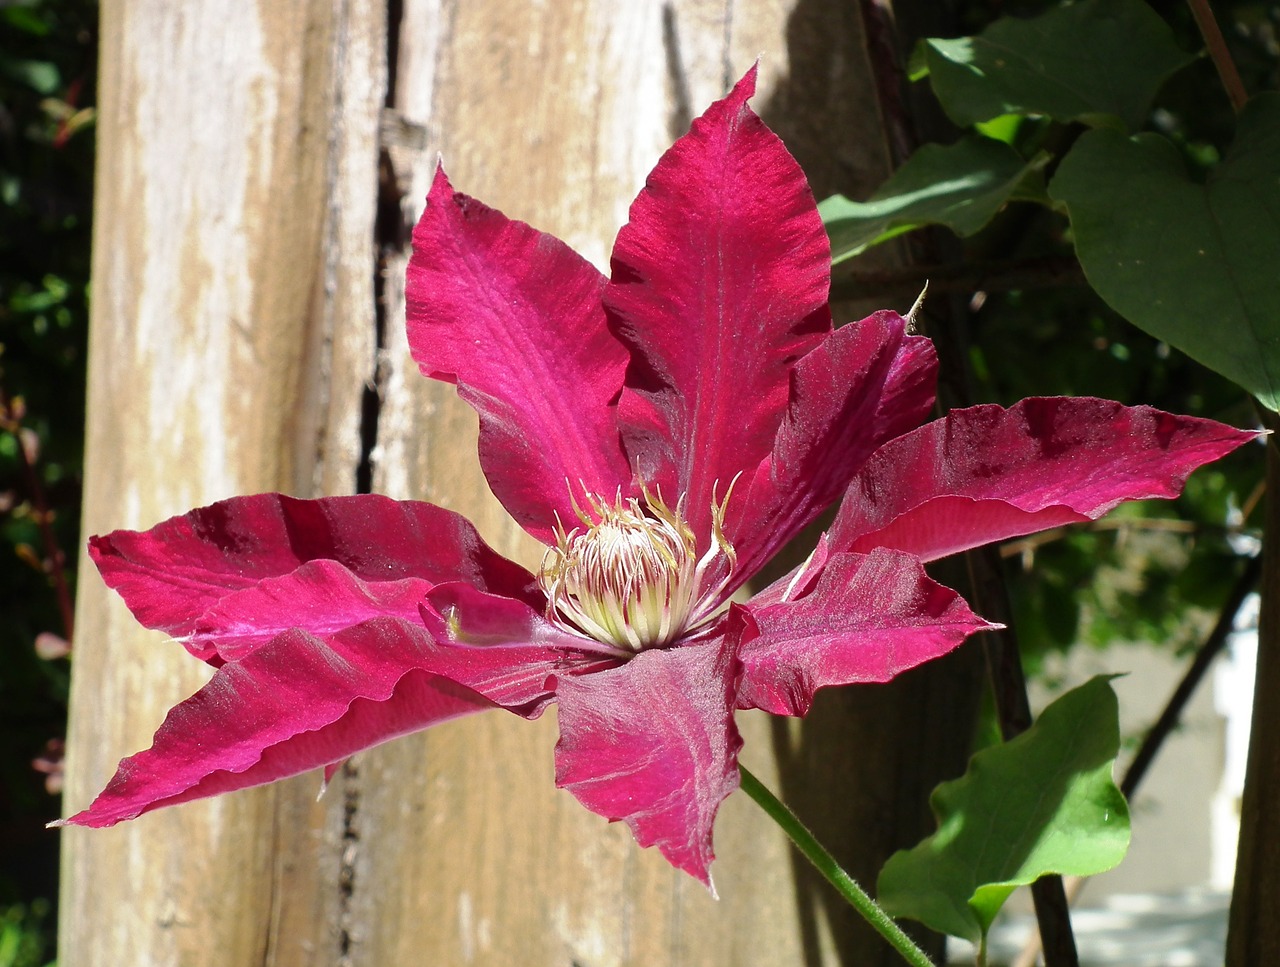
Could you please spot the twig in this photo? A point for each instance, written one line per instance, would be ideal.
(1218, 52)
(1170, 525)
(848, 282)
(882, 55)
(1195, 673)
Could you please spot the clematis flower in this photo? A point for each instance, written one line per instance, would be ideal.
(663, 432)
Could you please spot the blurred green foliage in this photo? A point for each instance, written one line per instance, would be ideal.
(1152, 572)
(48, 52)
(1155, 572)
(24, 935)
(1042, 94)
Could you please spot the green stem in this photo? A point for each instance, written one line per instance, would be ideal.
(826, 865)
(1218, 53)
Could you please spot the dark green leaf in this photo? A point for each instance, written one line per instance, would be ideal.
(1084, 62)
(1043, 803)
(962, 186)
(1192, 264)
(22, 17)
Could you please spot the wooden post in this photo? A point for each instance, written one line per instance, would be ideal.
(231, 334)
(1253, 936)
(260, 161)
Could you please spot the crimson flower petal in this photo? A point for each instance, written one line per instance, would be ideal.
(984, 473)
(295, 704)
(320, 597)
(461, 614)
(907, 398)
(174, 573)
(501, 648)
(719, 284)
(514, 317)
(652, 742)
(866, 383)
(868, 618)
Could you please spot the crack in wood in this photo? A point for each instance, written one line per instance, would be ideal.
(681, 114)
(389, 238)
(347, 935)
(727, 75)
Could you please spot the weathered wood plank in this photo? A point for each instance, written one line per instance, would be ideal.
(1254, 936)
(230, 340)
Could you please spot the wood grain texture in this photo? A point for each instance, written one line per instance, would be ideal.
(233, 335)
(1253, 935)
(230, 340)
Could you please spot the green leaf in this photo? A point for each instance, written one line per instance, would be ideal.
(961, 186)
(1084, 62)
(41, 76)
(22, 17)
(1192, 264)
(1041, 803)
(1003, 128)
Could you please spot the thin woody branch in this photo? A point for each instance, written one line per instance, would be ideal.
(851, 282)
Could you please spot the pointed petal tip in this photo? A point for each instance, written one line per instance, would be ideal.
(441, 190)
(653, 743)
(89, 819)
(984, 473)
(710, 884)
(746, 86)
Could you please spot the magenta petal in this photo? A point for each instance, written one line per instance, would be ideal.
(172, 574)
(653, 743)
(514, 317)
(907, 398)
(985, 473)
(868, 618)
(866, 383)
(460, 614)
(501, 648)
(719, 285)
(320, 597)
(297, 703)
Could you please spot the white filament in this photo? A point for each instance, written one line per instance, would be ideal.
(632, 578)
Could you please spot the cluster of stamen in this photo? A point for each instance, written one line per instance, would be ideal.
(631, 577)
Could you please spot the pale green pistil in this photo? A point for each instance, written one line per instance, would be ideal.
(633, 578)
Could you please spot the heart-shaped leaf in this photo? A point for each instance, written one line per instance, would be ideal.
(1042, 803)
(1083, 62)
(1192, 263)
(961, 186)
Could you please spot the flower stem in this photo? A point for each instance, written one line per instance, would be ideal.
(1219, 53)
(826, 865)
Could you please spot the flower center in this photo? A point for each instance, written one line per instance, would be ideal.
(632, 578)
